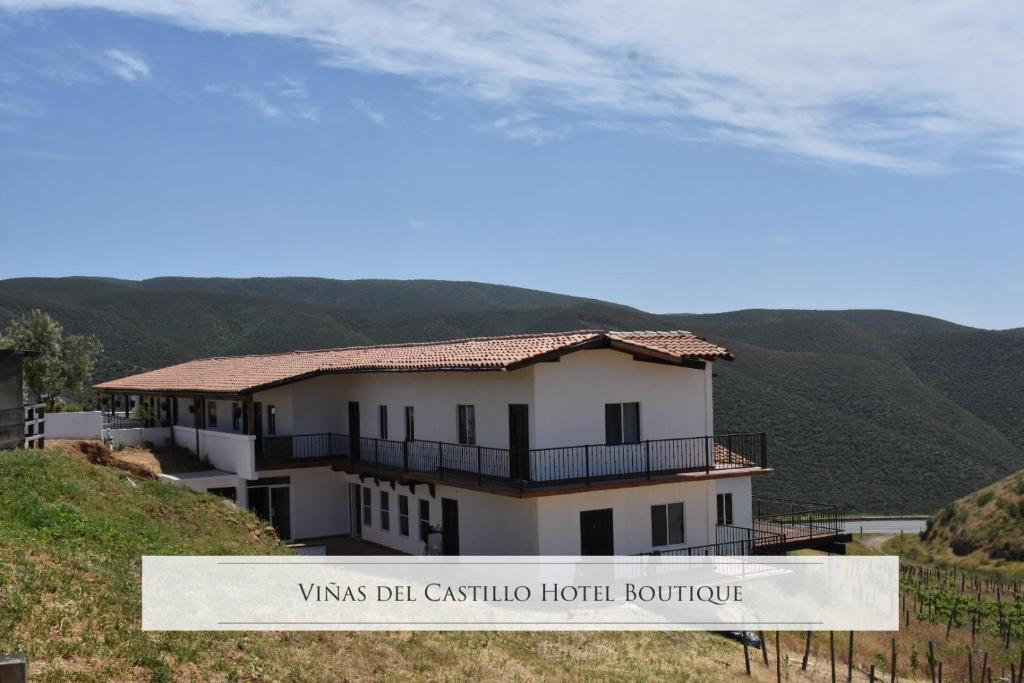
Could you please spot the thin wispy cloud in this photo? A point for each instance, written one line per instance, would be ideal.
(126, 65)
(908, 86)
(525, 126)
(375, 116)
(278, 98)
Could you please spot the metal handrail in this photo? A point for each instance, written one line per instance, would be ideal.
(584, 464)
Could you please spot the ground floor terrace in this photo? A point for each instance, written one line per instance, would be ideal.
(683, 517)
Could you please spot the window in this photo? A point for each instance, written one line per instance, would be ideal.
(271, 420)
(385, 511)
(410, 424)
(466, 416)
(621, 423)
(424, 519)
(382, 421)
(403, 515)
(667, 524)
(224, 492)
(211, 414)
(236, 416)
(725, 509)
(367, 507)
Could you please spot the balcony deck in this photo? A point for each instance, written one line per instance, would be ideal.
(524, 472)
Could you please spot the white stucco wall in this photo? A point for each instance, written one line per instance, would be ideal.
(86, 425)
(566, 401)
(319, 501)
(160, 436)
(570, 395)
(742, 507)
(559, 516)
(228, 452)
(489, 524)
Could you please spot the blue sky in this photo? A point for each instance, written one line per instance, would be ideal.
(672, 157)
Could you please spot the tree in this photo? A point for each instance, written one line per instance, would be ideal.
(64, 363)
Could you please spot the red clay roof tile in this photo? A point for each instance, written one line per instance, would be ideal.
(241, 374)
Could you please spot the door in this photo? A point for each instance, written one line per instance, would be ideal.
(355, 510)
(519, 440)
(596, 532)
(353, 429)
(272, 504)
(281, 510)
(450, 526)
(259, 502)
(257, 426)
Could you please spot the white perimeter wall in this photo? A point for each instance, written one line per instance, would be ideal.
(233, 453)
(160, 436)
(559, 516)
(88, 425)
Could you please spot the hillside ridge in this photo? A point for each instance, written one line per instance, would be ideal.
(885, 411)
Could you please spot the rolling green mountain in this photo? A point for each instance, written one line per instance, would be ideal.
(884, 411)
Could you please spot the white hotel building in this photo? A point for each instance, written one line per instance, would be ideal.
(574, 443)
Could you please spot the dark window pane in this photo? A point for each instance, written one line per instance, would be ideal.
(658, 533)
(403, 515)
(424, 519)
(367, 507)
(385, 511)
(630, 422)
(676, 532)
(613, 423)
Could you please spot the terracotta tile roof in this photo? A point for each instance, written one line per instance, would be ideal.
(239, 374)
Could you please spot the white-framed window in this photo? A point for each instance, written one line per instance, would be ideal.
(668, 524)
(271, 420)
(621, 423)
(403, 515)
(382, 421)
(410, 424)
(725, 509)
(236, 416)
(466, 416)
(385, 511)
(367, 506)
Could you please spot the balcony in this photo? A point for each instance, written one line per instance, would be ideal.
(793, 525)
(524, 470)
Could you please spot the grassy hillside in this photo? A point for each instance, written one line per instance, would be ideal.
(986, 526)
(72, 535)
(885, 411)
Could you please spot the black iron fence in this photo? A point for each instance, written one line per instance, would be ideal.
(729, 540)
(796, 520)
(582, 465)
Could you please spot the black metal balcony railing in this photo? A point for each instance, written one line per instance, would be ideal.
(729, 540)
(521, 469)
(797, 521)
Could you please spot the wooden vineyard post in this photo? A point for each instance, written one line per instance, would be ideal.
(807, 651)
(764, 648)
(746, 653)
(778, 659)
(832, 653)
(892, 671)
(849, 660)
